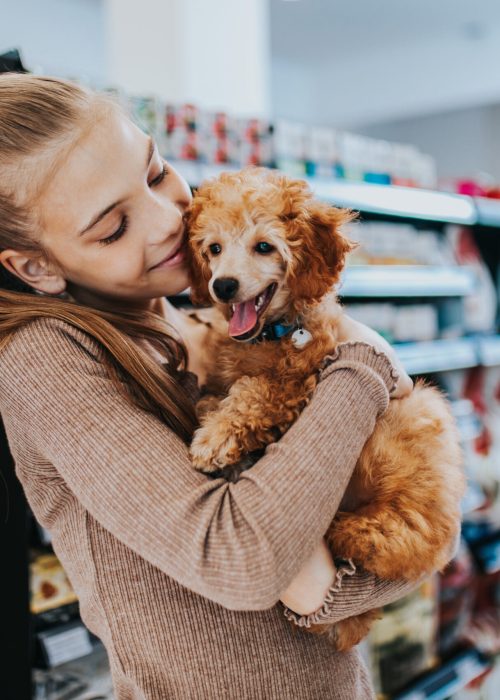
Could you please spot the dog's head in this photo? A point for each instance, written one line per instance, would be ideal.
(263, 248)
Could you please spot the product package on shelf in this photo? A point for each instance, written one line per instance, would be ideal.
(481, 385)
(49, 584)
(185, 138)
(290, 147)
(403, 643)
(218, 141)
(470, 619)
(254, 142)
(398, 322)
(321, 156)
(189, 132)
(388, 243)
(484, 687)
(480, 307)
(456, 600)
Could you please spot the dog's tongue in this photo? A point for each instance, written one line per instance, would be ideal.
(243, 319)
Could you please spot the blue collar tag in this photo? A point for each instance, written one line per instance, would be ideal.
(273, 331)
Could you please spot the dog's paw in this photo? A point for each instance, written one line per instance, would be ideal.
(352, 537)
(211, 452)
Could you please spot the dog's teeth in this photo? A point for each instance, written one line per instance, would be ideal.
(259, 301)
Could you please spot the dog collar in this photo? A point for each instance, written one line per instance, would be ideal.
(274, 331)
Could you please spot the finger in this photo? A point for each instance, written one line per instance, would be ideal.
(404, 387)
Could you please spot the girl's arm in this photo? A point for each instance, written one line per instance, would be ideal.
(322, 594)
(239, 544)
(308, 589)
(306, 593)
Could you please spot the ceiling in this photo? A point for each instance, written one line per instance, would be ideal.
(336, 28)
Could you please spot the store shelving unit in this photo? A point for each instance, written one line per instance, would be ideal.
(419, 358)
(407, 202)
(381, 200)
(407, 281)
(449, 678)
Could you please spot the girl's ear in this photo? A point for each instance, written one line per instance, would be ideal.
(320, 256)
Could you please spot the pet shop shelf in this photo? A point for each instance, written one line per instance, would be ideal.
(443, 355)
(406, 202)
(384, 281)
(438, 355)
(451, 677)
(388, 200)
(489, 350)
(467, 420)
(407, 281)
(488, 211)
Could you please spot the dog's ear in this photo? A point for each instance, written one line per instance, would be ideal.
(199, 269)
(319, 255)
(200, 274)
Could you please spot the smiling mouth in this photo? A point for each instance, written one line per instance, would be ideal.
(246, 315)
(174, 257)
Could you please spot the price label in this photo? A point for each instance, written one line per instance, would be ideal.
(65, 644)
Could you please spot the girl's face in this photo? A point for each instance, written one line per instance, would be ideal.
(112, 218)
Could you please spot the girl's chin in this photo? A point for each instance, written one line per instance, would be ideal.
(174, 287)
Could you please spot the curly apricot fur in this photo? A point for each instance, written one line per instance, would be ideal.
(401, 511)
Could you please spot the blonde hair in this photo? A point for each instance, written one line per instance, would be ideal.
(39, 118)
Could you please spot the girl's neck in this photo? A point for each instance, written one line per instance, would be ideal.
(159, 305)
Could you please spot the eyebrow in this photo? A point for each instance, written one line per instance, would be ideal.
(104, 212)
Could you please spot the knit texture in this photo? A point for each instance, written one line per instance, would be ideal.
(177, 573)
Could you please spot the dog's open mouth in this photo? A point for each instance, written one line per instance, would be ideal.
(245, 315)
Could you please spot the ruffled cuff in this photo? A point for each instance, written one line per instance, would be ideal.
(344, 567)
(349, 353)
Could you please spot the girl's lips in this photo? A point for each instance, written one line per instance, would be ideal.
(176, 258)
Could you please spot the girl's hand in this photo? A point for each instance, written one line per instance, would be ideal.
(309, 588)
(352, 331)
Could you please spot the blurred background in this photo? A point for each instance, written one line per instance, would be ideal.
(389, 107)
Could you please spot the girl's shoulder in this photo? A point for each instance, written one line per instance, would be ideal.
(47, 340)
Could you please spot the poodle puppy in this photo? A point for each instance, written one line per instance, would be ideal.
(268, 255)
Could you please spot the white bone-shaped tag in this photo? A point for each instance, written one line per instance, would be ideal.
(300, 338)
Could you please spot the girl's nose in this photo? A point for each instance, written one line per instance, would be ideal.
(168, 222)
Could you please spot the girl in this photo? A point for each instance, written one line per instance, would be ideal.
(189, 581)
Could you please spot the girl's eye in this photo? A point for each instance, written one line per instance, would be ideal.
(160, 177)
(117, 234)
(264, 248)
(215, 248)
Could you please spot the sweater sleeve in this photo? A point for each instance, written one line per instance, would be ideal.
(239, 544)
(352, 592)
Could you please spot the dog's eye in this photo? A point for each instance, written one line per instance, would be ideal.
(215, 248)
(264, 248)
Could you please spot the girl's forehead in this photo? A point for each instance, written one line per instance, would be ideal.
(94, 173)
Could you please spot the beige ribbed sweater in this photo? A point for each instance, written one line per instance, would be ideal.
(177, 573)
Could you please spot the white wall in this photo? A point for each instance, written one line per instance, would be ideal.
(215, 53)
(353, 62)
(62, 37)
(465, 142)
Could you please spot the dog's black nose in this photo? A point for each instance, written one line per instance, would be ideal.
(226, 288)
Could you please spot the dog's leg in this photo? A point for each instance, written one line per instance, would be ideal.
(412, 480)
(254, 414)
(207, 404)
(347, 633)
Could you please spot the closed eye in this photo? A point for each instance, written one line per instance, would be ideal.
(157, 180)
